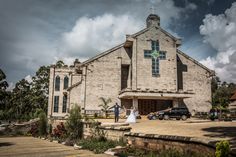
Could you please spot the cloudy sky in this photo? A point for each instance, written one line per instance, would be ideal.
(39, 32)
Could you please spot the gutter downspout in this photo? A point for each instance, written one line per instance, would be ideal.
(53, 86)
(85, 79)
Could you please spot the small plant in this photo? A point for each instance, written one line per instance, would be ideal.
(60, 131)
(105, 105)
(74, 124)
(98, 146)
(95, 115)
(222, 149)
(34, 131)
(42, 124)
(97, 133)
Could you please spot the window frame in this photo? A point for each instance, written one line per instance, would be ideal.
(66, 78)
(57, 83)
(64, 104)
(56, 104)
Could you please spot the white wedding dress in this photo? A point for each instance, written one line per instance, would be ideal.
(131, 118)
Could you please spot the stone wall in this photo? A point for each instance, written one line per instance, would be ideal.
(197, 80)
(164, 142)
(103, 79)
(168, 74)
(116, 133)
(111, 132)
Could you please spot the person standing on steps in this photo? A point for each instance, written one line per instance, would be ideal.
(116, 111)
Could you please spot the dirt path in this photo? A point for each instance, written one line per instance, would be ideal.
(33, 147)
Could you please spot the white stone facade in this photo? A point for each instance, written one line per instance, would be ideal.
(124, 72)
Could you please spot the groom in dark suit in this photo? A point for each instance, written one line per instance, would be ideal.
(116, 111)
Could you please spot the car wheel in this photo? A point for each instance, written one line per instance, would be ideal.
(160, 117)
(166, 117)
(184, 117)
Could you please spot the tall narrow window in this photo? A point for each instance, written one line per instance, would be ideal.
(64, 104)
(66, 82)
(57, 83)
(155, 54)
(56, 104)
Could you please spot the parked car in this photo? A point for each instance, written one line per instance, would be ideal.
(178, 113)
(155, 115)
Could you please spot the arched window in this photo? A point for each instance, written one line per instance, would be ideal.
(66, 82)
(57, 83)
(64, 105)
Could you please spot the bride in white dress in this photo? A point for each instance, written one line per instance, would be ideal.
(132, 117)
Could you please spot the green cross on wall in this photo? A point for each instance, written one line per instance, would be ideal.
(156, 55)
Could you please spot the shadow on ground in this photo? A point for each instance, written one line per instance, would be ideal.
(223, 132)
(4, 144)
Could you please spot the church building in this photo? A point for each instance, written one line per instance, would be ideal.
(147, 71)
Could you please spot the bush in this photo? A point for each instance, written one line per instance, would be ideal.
(99, 146)
(42, 124)
(74, 124)
(60, 131)
(222, 149)
(34, 131)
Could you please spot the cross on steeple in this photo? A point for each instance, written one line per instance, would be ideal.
(156, 55)
(152, 9)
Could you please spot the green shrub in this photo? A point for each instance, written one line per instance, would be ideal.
(37, 113)
(99, 146)
(42, 124)
(222, 149)
(74, 124)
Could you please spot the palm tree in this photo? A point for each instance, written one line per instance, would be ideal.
(105, 105)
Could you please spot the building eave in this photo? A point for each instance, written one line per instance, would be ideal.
(101, 54)
(212, 72)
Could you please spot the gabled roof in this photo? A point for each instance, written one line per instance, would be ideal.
(121, 45)
(212, 72)
(102, 54)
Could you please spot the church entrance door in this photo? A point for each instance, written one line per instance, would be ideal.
(145, 106)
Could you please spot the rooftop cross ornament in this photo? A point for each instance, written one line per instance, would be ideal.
(156, 55)
(152, 10)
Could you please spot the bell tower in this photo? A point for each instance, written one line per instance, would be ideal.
(153, 20)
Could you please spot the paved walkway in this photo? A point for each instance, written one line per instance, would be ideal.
(33, 147)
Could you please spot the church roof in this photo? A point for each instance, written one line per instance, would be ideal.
(121, 45)
(139, 33)
(102, 54)
(212, 72)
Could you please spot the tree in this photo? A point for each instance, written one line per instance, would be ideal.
(214, 84)
(60, 64)
(4, 95)
(39, 90)
(221, 93)
(3, 82)
(26, 97)
(42, 124)
(74, 124)
(105, 105)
